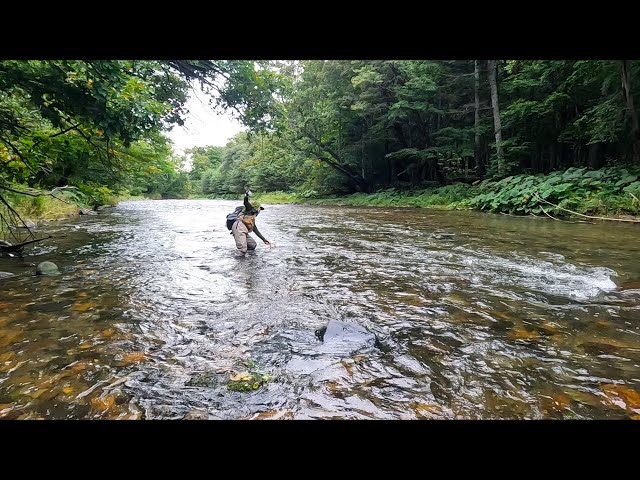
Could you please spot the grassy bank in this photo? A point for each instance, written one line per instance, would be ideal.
(45, 207)
(443, 198)
(608, 192)
(66, 203)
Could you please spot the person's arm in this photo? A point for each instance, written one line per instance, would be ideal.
(255, 229)
(247, 206)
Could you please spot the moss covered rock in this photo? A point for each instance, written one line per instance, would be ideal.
(47, 268)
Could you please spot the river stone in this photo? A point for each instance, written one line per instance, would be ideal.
(87, 211)
(6, 275)
(28, 224)
(443, 236)
(348, 335)
(196, 415)
(47, 268)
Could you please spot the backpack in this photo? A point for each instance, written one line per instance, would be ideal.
(249, 221)
(233, 216)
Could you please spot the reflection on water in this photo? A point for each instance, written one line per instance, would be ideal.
(454, 315)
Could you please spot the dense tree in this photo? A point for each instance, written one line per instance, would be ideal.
(410, 123)
(314, 127)
(97, 124)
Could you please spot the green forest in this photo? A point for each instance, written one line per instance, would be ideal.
(524, 137)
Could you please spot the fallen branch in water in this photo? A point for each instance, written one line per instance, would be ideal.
(549, 215)
(19, 246)
(585, 216)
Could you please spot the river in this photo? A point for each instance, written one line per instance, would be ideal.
(474, 316)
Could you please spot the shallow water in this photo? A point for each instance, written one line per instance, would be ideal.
(454, 315)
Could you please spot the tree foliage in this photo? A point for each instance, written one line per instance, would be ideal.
(399, 123)
(98, 125)
(315, 127)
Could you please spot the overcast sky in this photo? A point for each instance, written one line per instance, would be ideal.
(203, 126)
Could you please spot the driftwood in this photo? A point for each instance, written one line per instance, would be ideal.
(6, 247)
(585, 216)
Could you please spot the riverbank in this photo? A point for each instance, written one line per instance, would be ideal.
(65, 204)
(609, 192)
(612, 192)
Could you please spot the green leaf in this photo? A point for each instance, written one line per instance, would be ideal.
(626, 179)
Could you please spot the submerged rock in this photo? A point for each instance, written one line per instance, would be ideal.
(320, 333)
(347, 334)
(47, 268)
(442, 236)
(6, 275)
(196, 415)
(28, 224)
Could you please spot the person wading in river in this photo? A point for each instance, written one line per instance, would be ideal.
(245, 224)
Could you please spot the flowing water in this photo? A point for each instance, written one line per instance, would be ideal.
(447, 315)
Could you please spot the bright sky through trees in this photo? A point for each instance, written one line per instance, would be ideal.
(203, 126)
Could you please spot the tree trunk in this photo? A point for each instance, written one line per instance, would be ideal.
(476, 121)
(386, 150)
(580, 162)
(594, 157)
(563, 155)
(635, 129)
(336, 162)
(392, 172)
(400, 135)
(491, 65)
(364, 173)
